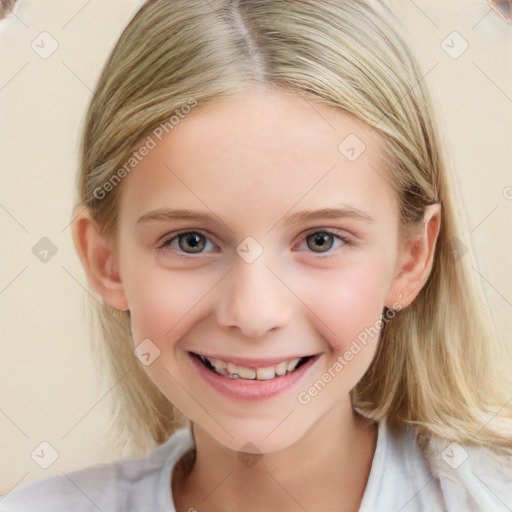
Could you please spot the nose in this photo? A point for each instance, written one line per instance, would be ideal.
(254, 300)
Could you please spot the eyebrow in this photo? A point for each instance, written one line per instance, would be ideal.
(329, 213)
(162, 214)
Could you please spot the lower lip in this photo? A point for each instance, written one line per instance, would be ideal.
(242, 389)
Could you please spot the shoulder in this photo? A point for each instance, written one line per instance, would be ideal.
(414, 473)
(125, 485)
(54, 493)
(399, 477)
(472, 478)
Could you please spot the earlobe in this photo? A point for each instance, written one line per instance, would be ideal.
(416, 260)
(99, 258)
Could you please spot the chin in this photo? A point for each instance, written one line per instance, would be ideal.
(258, 437)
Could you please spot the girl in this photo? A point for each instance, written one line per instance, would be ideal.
(268, 217)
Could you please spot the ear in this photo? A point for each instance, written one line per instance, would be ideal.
(99, 258)
(415, 260)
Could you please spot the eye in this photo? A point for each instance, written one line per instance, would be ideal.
(195, 242)
(189, 242)
(322, 241)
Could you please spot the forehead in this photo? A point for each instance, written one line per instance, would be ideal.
(263, 151)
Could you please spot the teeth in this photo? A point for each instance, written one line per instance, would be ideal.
(219, 365)
(266, 373)
(232, 368)
(281, 369)
(235, 371)
(247, 373)
(292, 364)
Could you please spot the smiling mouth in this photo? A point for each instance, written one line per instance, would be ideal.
(235, 371)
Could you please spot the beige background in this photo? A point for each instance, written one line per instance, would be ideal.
(49, 392)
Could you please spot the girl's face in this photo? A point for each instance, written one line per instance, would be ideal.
(262, 234)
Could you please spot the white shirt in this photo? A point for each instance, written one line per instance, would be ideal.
(399, 480)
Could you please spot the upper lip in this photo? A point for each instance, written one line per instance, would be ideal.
(253, 362)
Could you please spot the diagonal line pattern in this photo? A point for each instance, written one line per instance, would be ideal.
(85, 494)
(12, 12)
(216, 487)
(491, 491)
(175, 175)
(501, 8)
(424, 14)
(13, 279)
(97, 402)
(492, 418)
(198, 402)
(485, 218)
(76, 14)
(299, 200)
(286, 491)
(117, 116)
(416, 494)
(501, 295)
(14, 76)
(94, 298)
(14, 218)
(73, 218)
(211, 5)
(19, 19)
(301, 301)
(77, 76)
(491, 80)
(382, 176)
(220, 278)
(14, 423)
(197, 302)
(313, 108)
(418, 82)
(481, 19)
(14, 486)
(280, 423)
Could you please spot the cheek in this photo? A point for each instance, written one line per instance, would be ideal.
(349, 304)
(164, 305)
(163, 302)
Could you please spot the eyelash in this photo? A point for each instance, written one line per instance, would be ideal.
(165, 241)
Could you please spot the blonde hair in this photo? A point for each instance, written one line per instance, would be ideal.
(439, 365)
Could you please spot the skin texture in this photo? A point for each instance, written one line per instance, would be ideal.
(249, 163)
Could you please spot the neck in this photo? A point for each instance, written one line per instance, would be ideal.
(327, 469)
